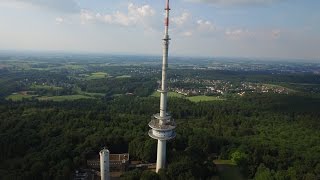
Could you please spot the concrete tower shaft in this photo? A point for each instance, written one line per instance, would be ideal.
(161, 124)
(164, 88)
(104, 164)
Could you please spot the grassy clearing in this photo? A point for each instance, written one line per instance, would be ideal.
(192, 98)
(204, 98)
(97, 75)
(24, 95)
(93, 94)
(80, 92)
(227, 170)
(64, 98)
(73, 66)
(19, 97)
(170, 94)
(46, 87)
(123, 77)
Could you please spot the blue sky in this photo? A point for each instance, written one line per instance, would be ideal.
(232, 28)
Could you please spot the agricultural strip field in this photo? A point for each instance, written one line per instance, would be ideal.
(170, 94)
(97, 75)
(20, 97)
(204, 98)
(64, 98)
(46, 87)
(191, 98)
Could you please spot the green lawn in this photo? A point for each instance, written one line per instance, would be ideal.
(73, 66)
(204, 98)
(97, 75)
(80, 92)
(93, 94)
(64, 98)
(123, 76)
(19, 97)
(46, 87)
(192, 98)
(170, 94)
(227, 170)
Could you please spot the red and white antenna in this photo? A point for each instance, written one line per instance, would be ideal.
(166, 21)
(162, 125)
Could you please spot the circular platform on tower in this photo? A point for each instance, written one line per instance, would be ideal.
(161, 135)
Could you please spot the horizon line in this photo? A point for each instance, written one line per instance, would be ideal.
(64, 52)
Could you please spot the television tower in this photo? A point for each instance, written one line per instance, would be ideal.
(161, 124)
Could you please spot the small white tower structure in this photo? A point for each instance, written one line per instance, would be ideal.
(161, 124)
(104, 164)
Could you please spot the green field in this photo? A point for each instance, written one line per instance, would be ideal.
(227, 170)
(123, 76)
(170, 94)
(46, 87)
(80, 92)
(73, 66)
(191, 98)
(97, 75)
(93, 94)
(19, 97)
(204, 98)
(64, 98)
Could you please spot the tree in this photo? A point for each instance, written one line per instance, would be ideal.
(149, 175)
(239, 158)
(163, 174)
(310, 176)
(263, 173)
(131, 175)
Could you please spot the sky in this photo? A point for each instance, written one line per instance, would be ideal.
(228, 28)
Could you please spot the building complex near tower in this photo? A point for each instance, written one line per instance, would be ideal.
(162, 125)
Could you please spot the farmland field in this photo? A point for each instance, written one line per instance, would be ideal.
(97, 75)
(46, 87)
(64, 98)
(19, 97)
(191, 98)
(204, 98)
(170, 94)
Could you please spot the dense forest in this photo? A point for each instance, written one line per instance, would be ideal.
(269, 136)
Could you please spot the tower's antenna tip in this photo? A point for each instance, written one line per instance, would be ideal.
(167, 5)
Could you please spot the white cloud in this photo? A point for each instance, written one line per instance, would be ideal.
(205, 26)
(258, 34)
(235, 2)
(187, 34)
(135, 15)
(236, 32)
(59, 20)
(185, 25)
(275, 33)
(85, 16)
(143, 11)
(55, 5)
(182, 19)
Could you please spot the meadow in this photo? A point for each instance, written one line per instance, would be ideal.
(190, 98)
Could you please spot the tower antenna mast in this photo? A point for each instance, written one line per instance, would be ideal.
(161, 124)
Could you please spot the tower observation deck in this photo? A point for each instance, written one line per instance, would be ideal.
(161, 124)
